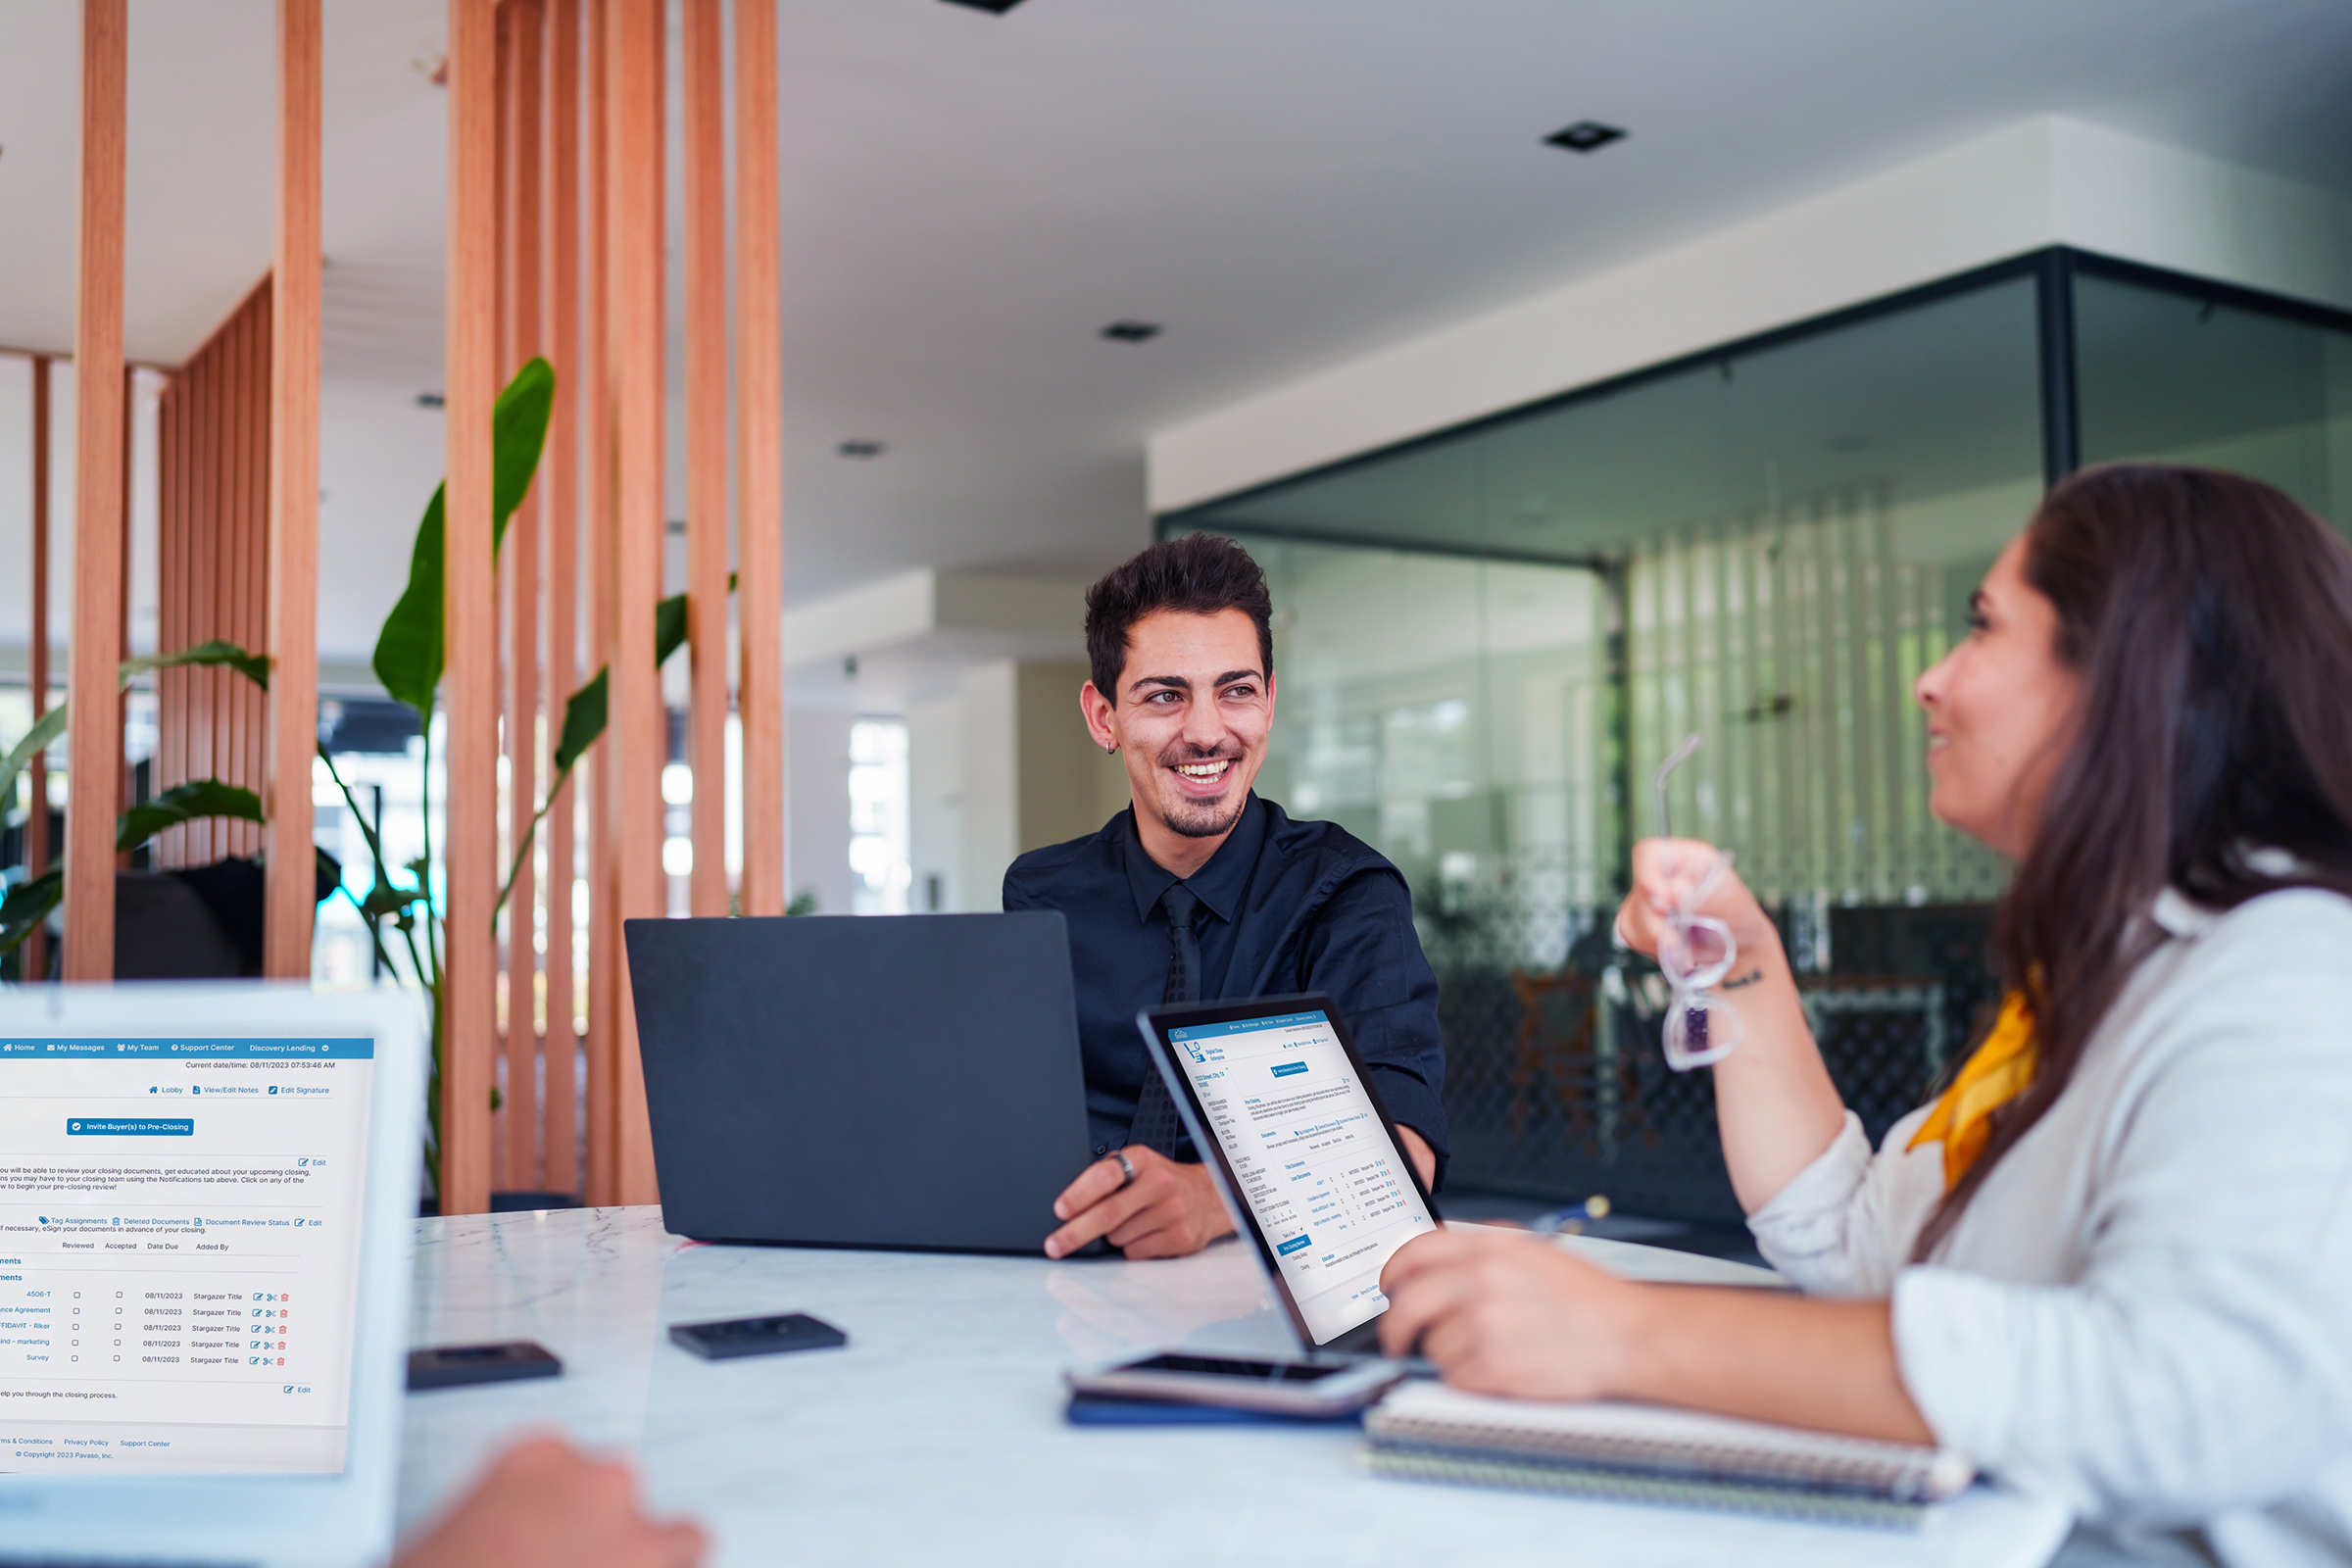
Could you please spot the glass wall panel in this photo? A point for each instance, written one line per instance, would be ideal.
(1444, 709)
(2165, 374)
(1486, 641)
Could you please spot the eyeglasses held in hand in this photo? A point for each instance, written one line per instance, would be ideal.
(1694, 953)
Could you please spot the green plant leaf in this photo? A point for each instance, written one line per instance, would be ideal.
(383, 901)
(517, 436)
(669, 628)
(408, 649)
(184, 803)
(584, 718)
(254, 667)
(669, 624)
(37, 739)
(27, 905)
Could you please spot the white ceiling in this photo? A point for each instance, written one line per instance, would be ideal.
(1284, 184)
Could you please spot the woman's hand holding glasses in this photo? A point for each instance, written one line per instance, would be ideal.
(1676, 881)
(1696, 952)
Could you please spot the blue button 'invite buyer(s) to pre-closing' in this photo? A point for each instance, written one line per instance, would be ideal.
(131, 1127)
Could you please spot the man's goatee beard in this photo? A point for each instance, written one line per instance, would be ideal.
(1202, 820)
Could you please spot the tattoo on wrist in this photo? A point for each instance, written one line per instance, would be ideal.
(1748, 979)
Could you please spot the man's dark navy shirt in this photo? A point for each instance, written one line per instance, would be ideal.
(1286, 906)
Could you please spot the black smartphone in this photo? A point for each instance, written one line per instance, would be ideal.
(756, 1336)
(1314, 1389)
(452, 1366)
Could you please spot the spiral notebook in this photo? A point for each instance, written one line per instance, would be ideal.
(1647, 1453)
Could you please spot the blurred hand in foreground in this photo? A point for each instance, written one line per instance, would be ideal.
(545, 1504)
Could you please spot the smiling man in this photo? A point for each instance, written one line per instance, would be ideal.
(1201, 891)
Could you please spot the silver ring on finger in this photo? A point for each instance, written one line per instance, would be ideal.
(1125, 1164)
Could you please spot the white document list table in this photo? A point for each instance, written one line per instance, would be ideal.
(937, 1435)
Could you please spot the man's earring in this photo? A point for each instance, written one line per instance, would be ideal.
(1110, 751)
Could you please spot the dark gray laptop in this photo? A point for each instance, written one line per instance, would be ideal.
(909, 1081)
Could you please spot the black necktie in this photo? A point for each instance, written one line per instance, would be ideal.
(1156, 1126)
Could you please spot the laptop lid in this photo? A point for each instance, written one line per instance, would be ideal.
(910, 1081)
(1278, 1101)
(208, 1205)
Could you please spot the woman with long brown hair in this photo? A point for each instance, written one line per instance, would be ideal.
(2113, 1260)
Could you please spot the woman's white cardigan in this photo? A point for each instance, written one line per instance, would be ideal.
(2145, 1311)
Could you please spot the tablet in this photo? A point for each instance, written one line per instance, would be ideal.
(1279, 1106)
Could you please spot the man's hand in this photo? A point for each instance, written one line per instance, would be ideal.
(1509, 1314)
(545, 1504)
(1168, 1210)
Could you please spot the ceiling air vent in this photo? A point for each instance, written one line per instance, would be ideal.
(1585, 136)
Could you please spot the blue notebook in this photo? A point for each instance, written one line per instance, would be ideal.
(1098, 1411)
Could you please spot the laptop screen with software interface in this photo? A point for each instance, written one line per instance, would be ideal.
(217, 1184)
(179, 1250)
(1305, 1147)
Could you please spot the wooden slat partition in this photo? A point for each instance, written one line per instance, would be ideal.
(34, 959)
(760, 456)
(568, 182)
(293, 523)
(522, 566)
(560, 484)
(95, 751)
(470, 609)
(706, 169)
(214, 461)
(635, 746)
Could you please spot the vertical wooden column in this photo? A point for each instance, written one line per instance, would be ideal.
(503, 1071)
(522, 649)
(33, 962)
(705, 163)
(635, 746)
(293, 566)
(561, 1148)
(95, 750)
(471, 613)
(760, 456)
(130, 441)
(600, 1165)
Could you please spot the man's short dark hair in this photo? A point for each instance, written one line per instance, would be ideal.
(1199, 574)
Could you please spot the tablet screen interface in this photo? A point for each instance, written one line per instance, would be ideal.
(180, 1245)
(1311, 1157)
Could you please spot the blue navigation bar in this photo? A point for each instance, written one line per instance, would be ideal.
(282, 1047)
(1286, 1068)
(1244, 1026)
(131, 1127)
(1291, 1245)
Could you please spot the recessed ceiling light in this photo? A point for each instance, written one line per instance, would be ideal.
(1000, 6)
(860, 449)
(430, 400)
(1132, 331)
(1585, 136)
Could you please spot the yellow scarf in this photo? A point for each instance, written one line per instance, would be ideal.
(1998, 1072)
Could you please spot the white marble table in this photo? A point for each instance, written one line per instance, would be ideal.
(937, 1434)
